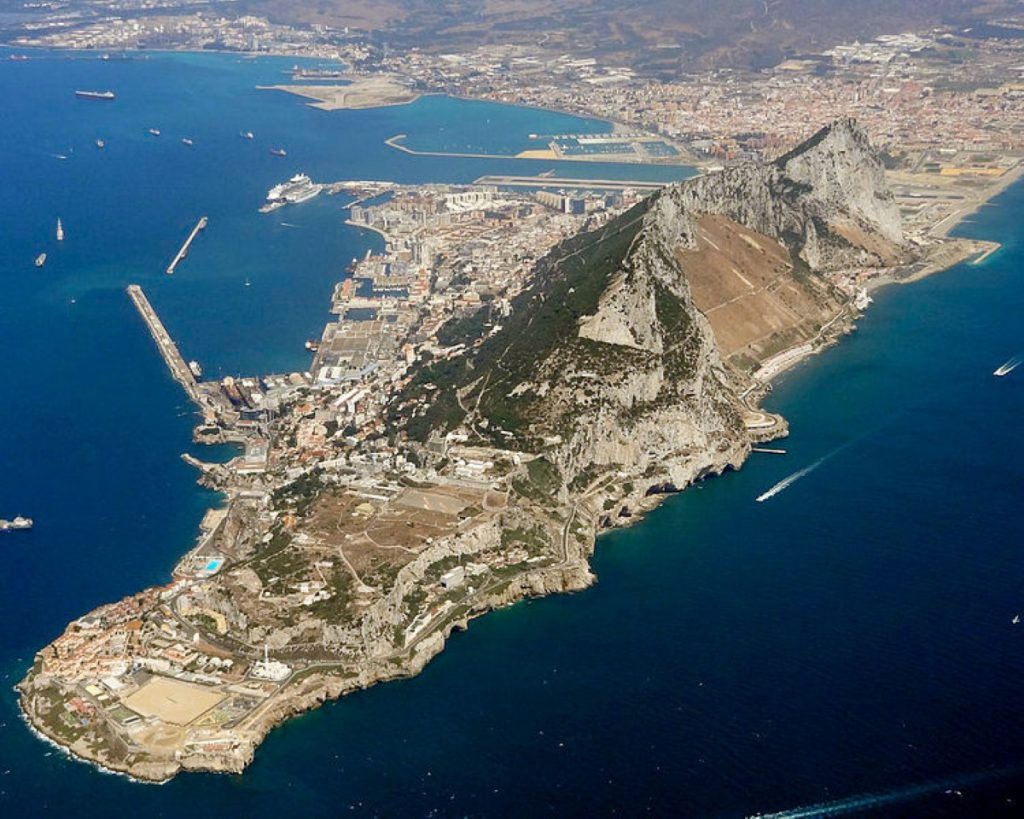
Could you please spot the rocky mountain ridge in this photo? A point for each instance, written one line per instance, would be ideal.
(608, 364)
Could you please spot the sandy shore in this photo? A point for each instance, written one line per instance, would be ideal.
(943, 228)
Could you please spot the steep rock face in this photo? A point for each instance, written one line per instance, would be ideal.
(827, 199)
(608, 364)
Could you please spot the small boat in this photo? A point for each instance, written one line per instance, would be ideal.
(247, 282)
(18, 523)
(312, 345)
(196, 368)
(40, 260)
(17, 58)
(1016, 619)
(246, 135)
(155, 131)
(1008, 367)
(60, 231)
(101, 144)
(187, 141)
(278, 152)
(96, 95)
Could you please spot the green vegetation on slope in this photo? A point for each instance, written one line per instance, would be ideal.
(567, 285)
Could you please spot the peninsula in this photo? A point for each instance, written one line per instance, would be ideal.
(515, 373)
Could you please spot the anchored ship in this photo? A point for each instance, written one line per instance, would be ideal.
(187, 141)
(101, 144)
(60, 231)
(155, 131)
(278, 152)
(13, 525)
(95, 95)
(246, 135)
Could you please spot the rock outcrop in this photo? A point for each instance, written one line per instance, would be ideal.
(609, 364)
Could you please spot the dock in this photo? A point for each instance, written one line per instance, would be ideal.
(168, 349)
(188, 243)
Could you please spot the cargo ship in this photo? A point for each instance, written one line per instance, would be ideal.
(246, 135)
(60, 231)
(187, 141)
(278, 152)
(13, 525)
(95, 95)
(155, 131)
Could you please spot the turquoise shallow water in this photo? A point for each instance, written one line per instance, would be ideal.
(850, 638)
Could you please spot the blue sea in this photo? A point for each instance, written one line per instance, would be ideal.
(845, 647)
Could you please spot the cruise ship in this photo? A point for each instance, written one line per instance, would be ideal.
(95, 95)
(18, 523)
(297, 189)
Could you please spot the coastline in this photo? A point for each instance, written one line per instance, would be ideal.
(311, 687)
(962, 249)
(1011, 176)
(325, 685)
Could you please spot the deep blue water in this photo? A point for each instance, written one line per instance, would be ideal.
(850, 637)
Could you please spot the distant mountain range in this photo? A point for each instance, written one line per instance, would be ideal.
(659, 36)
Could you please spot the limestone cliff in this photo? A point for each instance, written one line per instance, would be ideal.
(613, 358)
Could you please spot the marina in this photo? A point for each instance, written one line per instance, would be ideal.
(200, 225)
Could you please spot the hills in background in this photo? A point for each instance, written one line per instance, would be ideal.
(656, 36)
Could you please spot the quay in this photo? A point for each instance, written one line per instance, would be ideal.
(566, 182)
(188, 243)
(168, 349)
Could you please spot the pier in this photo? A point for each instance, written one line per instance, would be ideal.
(168, 349)
(184, 248)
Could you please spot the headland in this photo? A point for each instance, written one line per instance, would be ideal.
(512, 375)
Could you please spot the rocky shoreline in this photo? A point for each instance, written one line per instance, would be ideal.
(672, 407)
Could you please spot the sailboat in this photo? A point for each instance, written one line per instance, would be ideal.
(60, 231)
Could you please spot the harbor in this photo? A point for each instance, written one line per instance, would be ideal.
(183, 252)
